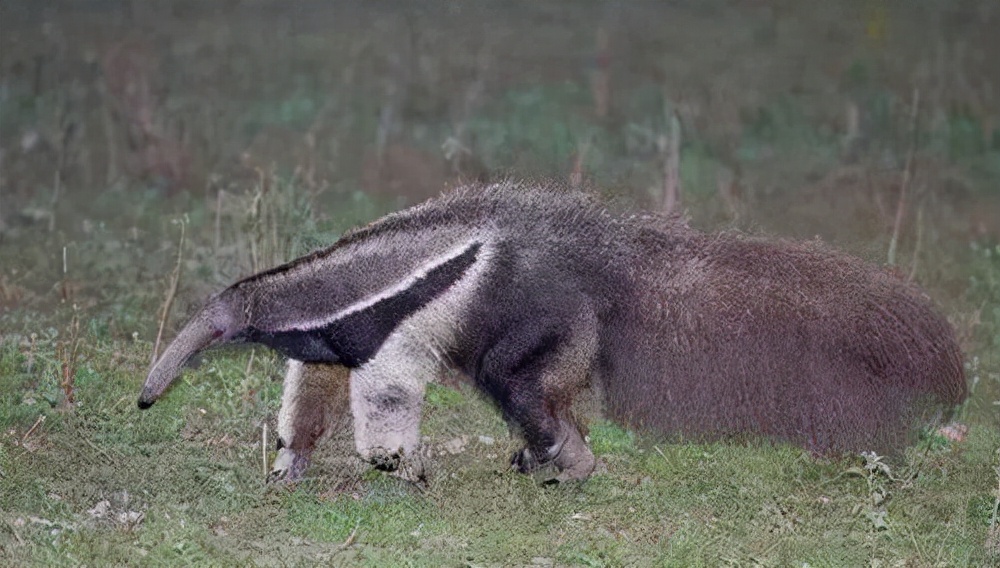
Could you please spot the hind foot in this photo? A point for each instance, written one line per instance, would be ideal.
(571, 457)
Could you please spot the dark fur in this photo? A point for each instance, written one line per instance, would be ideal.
(704, 336)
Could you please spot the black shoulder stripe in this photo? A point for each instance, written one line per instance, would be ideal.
(359, 335)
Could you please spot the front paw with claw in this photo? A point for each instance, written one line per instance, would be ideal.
(409, 467)
(288, 467)
(385, 460)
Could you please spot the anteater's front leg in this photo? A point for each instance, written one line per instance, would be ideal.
(387, 396)
(314, 402)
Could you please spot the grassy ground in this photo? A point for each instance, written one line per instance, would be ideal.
(144, 140)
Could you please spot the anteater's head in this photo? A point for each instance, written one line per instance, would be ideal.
(338, 305)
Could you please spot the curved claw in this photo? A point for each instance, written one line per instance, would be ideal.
(524, 461)
(288, 467)
(385, 460)
(410, 467)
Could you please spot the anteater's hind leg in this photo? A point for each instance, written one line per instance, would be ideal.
(314, 400)
(534, 374)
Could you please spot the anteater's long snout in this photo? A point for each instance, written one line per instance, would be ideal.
(203, 330)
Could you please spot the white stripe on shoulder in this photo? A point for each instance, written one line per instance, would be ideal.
(417, 274)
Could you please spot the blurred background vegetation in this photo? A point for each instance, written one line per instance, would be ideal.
(153, 152)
